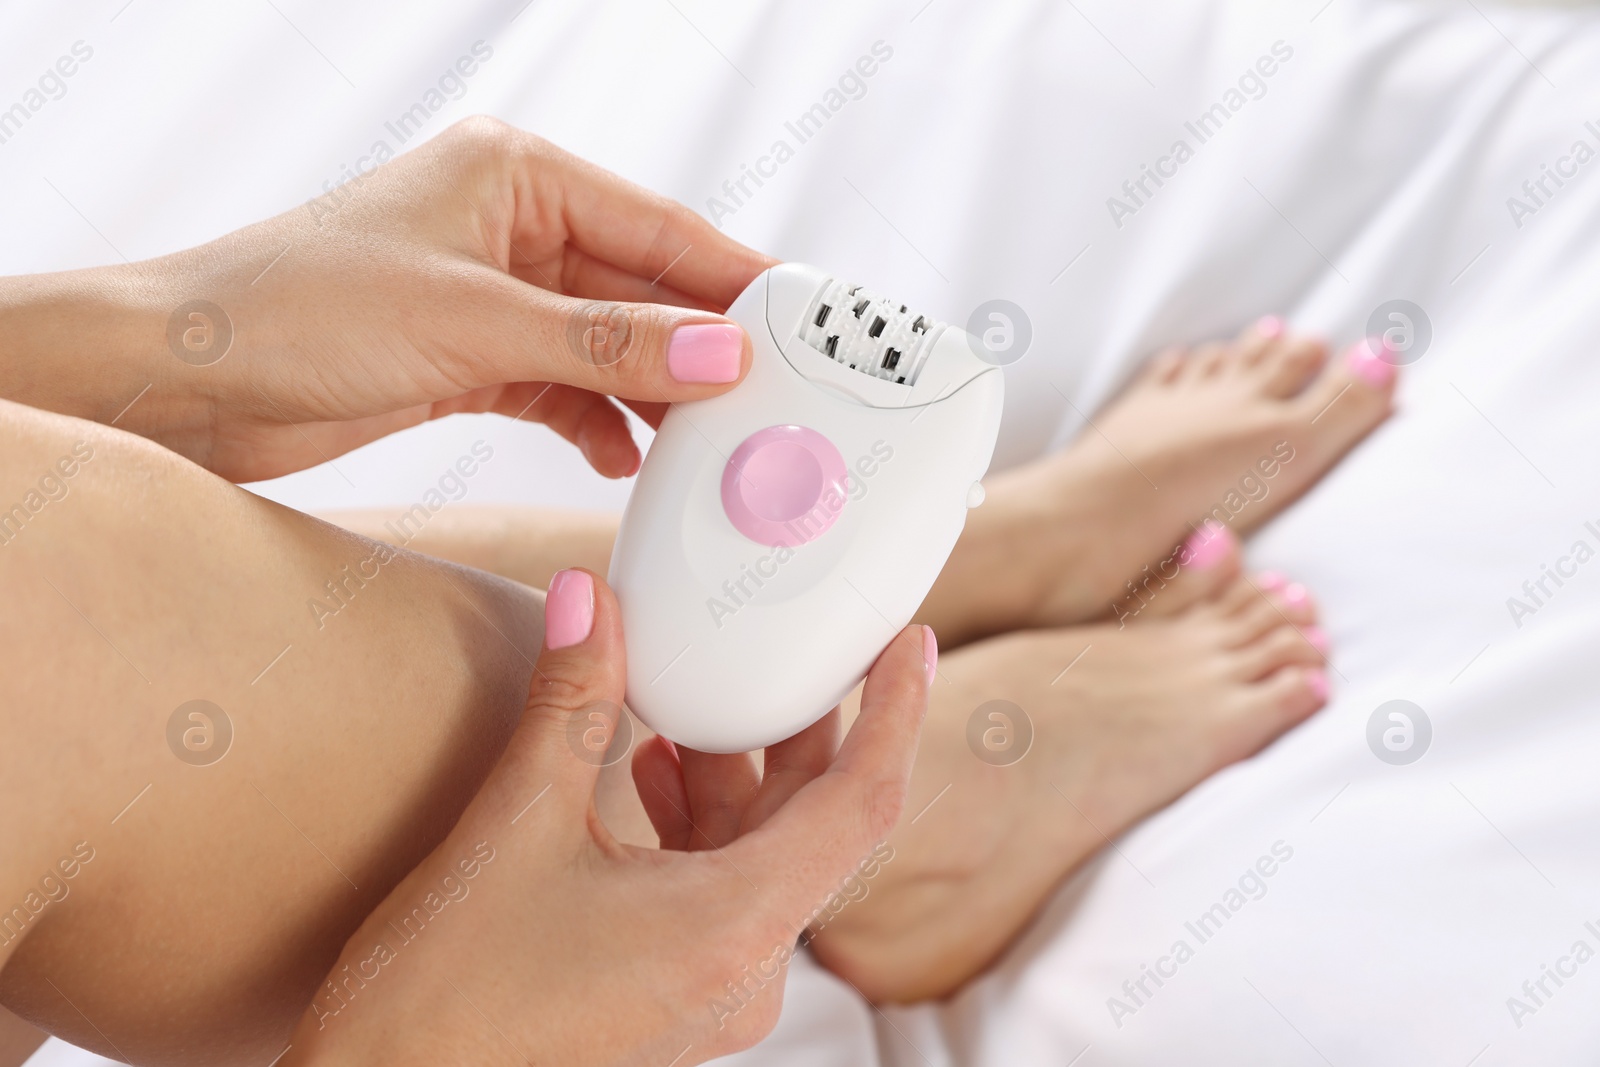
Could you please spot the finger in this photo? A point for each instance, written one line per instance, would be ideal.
(588, 420)
(658, 777)
(790, 764)
(720, 787)
(594, 279)
(637, 351)
(640, 232)
(806, 846)
(603, 436)
(574, 704)
(652, 414)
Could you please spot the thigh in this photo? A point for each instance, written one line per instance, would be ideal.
(237, 726)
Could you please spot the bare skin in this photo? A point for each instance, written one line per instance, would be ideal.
(18, 1040)
(1121, 734)
(219, 896)
(525, 544)
(1199, 671)
(1215, 672)
(467, 962)
(486, 270)
(1063, 539)
(1191, 439)
(171, 907)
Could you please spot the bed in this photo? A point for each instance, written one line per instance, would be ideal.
(1397, 151)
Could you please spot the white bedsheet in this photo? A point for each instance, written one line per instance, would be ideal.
(1376, 164)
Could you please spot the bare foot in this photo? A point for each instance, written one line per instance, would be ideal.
(1229, 433)
(1124, 720)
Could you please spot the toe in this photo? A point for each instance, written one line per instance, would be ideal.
(1257, 616)
(1295, 602)
(1287, 696)
(1352, 396)
(1276, 599)
(1165, 366)
(1325, 420)
(1258, 339)
(1288, 366)
(1282, 646)
(1263, 710)
(1209, 360)
(1232, 599)
(1196, 571)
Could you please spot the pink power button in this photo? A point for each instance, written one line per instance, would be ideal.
(784, 486)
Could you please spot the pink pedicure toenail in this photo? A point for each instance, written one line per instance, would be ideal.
(1269, 326)
(1317, 638)
(1208, 545)
(1366, 361)
(1271, 581)
(1318, 681)
(1295, 594)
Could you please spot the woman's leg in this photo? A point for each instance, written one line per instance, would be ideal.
(525, 544)
(161, 904)
(1230, 432)
(1042, 746)
(18, 1040)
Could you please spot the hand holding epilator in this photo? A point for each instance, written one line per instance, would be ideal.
(781, 534)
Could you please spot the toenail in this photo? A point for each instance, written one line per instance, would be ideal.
(1317, 638)
(1295, 594)
(1271, 581)
(1365, 360)
(1317, 680)
(1209, 545)
(1269, 326)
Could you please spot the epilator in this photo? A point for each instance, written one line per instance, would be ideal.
(781, 534)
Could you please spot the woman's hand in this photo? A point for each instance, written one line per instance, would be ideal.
(531, 935)
(485, 271)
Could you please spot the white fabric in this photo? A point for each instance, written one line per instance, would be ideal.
(1376, 165)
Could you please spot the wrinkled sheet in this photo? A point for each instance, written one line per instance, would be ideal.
(1384, 158)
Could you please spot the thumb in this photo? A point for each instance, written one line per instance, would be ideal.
(574, 710)
(822, 832)
(654, 353)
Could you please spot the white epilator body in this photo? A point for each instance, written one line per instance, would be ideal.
(780, 535)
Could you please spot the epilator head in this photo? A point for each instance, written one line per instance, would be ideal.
(780, 535)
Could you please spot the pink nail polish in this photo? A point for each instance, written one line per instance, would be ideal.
(1269, 326)
(930, 651)
(1208, 545)
(1317, 638)
(568, 609)
(1318, 681)
(1366, 361)
(1271, 581)
(1295, 594)
(707, 352)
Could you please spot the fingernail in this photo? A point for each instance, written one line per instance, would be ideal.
(1317, 638)
(1271, 581)
(930, 651)
(568, 609)
(1365, 360)
(1208, 545)
(1318, 681)
(1269, 326)
(1295, 594)
(708, 352)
